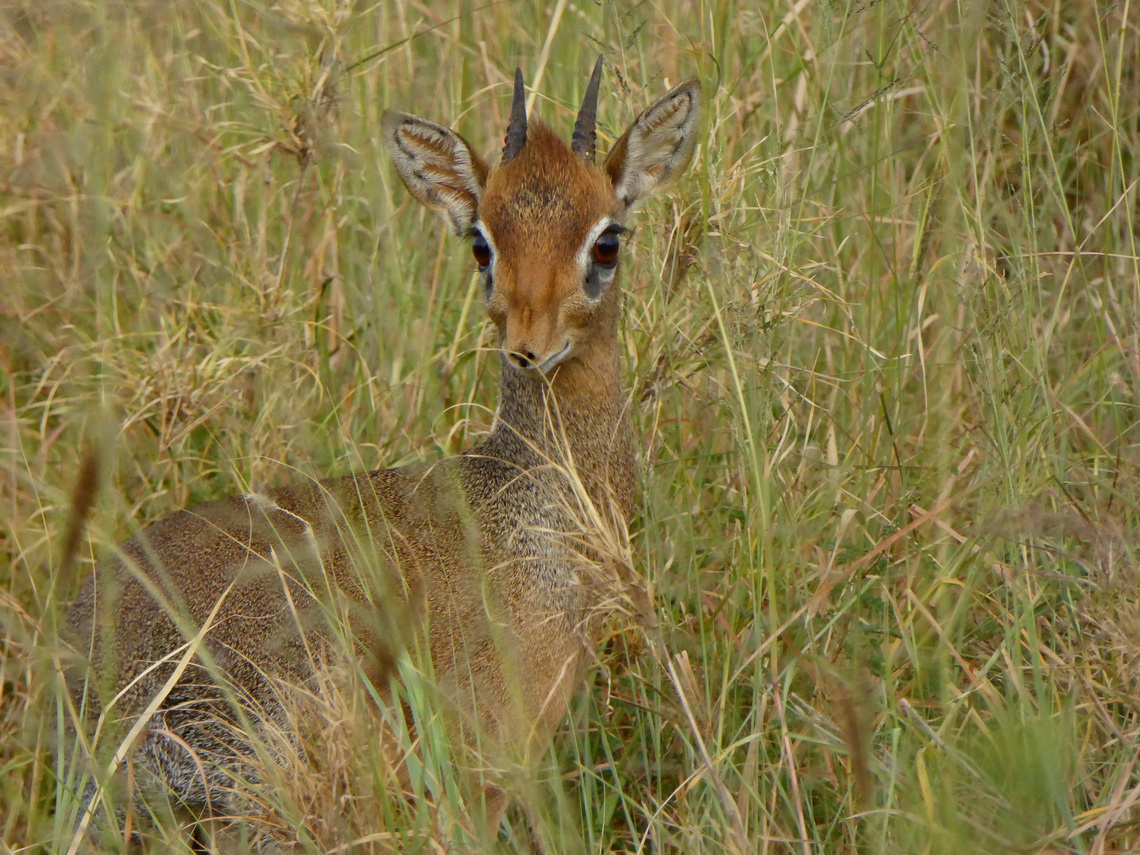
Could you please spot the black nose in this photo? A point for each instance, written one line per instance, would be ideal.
(526, 359)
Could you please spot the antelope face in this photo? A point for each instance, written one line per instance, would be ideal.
(547, 242)
(546, 225)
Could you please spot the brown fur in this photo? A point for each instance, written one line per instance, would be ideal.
(492, 556)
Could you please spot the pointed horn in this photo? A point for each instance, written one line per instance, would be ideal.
(585, 128)
(516, 128)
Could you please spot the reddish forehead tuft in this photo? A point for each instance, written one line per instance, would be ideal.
(547, 195)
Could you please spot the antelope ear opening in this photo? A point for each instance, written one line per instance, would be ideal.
(658, 145)
(437, 166)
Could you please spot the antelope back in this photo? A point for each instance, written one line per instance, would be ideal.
(546, 225)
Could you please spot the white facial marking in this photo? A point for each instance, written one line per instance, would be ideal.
(588, 244)
(555, 360)
(486, 232)
(587, 247)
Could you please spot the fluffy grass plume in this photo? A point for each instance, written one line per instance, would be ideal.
(884, 350)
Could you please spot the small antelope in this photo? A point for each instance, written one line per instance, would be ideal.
(202, 617)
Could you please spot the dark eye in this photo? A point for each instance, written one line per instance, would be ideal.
(481, 250)
(606, 250)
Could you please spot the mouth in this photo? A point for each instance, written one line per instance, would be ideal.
(557, 359)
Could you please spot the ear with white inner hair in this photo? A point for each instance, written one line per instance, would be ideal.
(657, 147)
(437, 166)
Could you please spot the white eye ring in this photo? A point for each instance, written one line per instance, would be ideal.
(586, 251)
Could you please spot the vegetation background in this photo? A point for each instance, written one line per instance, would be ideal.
(883, 344)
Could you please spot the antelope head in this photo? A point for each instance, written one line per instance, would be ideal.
(546, 225)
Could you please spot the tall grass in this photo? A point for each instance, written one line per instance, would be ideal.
(883, 342)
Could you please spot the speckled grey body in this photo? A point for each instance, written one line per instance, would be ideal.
(487, 546)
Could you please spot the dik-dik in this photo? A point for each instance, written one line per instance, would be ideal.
(488, 561)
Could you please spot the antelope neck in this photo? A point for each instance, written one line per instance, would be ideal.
(577, 411)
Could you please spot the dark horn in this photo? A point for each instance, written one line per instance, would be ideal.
(585, 128)
(516, 129)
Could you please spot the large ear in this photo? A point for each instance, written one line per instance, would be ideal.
(658, 146)
(437, 166)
